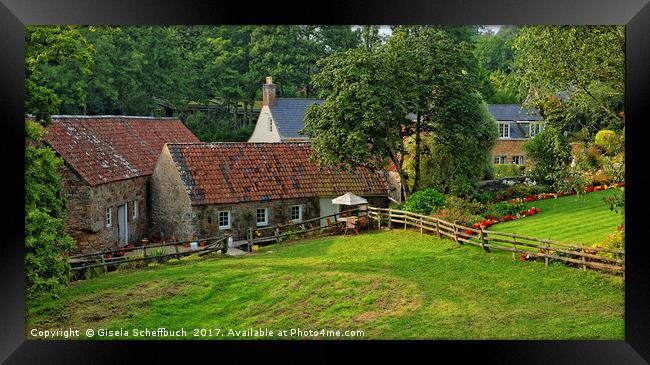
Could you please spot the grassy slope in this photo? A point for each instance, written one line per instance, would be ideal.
(397, 284)
(574, 219)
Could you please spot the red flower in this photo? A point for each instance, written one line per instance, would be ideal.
(108, 255)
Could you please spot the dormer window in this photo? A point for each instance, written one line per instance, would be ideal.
(504, 129)
(535, 128)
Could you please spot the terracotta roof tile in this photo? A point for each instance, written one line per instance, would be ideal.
(110, 148)
(215, 173)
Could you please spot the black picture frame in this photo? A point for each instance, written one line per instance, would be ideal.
(15, 14)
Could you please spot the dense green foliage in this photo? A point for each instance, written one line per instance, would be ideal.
(161, 70)
(429, 72)
(425, 201)
(46, 268)
(550, 155)
(496, 56)
(391, 285)
(585, 63)
(508, 170)
(454, 161)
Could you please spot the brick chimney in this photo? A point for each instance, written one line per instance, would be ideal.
(268, 92)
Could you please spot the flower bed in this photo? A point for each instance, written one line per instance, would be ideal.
(544, 196)
(492, 220)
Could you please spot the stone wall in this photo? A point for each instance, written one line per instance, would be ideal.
(243, 216)
(86, 209)
(171, 212)
(509, 148)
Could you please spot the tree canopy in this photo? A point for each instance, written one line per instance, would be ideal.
(429, 73)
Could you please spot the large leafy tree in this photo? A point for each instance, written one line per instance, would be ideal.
(47, 48)
(421, 71)
(585, 63)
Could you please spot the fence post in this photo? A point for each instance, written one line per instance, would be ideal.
(176, 247)
(584, 266)
(438, 227)
(406, 217)
(484, 241)
(456, 234)
(277, 234)
(390, 218)
(420, 223)
(546, 254)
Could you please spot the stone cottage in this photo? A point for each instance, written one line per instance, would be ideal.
(208, 189)
(105, 178)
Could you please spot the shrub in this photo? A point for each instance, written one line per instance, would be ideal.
(508, 170)
(504, 208)
(608, 141)
(425, 201)
(525, 190)
(463, 211)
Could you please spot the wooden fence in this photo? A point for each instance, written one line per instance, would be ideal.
(279, 232)
(111, 257)
(585, 257)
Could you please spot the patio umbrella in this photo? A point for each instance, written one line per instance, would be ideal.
(349, 199)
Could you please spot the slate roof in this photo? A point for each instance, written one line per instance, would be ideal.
(227, 173)
(289, 115)
(103, 149)
(513, 112)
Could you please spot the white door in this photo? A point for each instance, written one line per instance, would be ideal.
(123, 223)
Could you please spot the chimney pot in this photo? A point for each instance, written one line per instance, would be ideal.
(268, 92)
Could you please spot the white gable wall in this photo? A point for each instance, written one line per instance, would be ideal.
(261, 132)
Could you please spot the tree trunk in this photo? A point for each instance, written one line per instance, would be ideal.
(416, 178)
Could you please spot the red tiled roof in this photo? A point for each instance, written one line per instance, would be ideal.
(103, 149)
(223, 173)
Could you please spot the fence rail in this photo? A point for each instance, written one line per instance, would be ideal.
(581, 256)
(278, 232)
(104, 258)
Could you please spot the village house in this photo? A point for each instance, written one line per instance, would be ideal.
(516, 126)
(105, 178)
(210, 189)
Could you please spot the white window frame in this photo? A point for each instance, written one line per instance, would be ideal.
(539, 127)
(266, 217)
(109, 217)
(229, 215)
(134, 210)
(507, 126)
(299, 213)
(518, 159)
(501, 158)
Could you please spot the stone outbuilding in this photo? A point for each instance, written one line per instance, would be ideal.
(105, 178)
(209, 189)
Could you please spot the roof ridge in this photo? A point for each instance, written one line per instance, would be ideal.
(238, 143)
(65, 116)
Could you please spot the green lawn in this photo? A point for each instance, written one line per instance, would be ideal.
(389, 284)
(575, 219)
